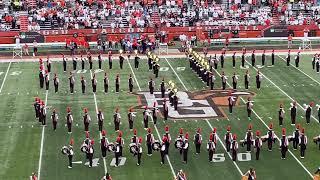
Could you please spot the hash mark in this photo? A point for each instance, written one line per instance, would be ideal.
(9, 127)
(270, 117)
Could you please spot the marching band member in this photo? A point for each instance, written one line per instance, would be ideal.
(288, 58)
(162, 88)
(103, 144)
(82, 62)
(228, 138)
(89, 56)
(106, 83)
(308, 110)
(70, 153)
(121, 142)
(253, 58)
(41, 76)
(136, 61)
(149, 142)
(163, 148)
(318, 112)
(215, 61)
(69, 119)
(293, 112)
(198, 140)
(107, 177)
(297, 59)
(155, 111)
(234, 60)
(211, 147)
(223, 80)
(234, 147)
(74, 63)
(181, 176)
(36, 105)
(263, 57)
(94, 83)
(251, 174)
(64, 63)
(272, 57)
(281, 114)
(318, 64)
(121, 59)
(249, 138)
(168, 140)
(47, 79)
(86, 120)
(258, 144)
(90, 152)
(222, 59)
(212, 78)
(156, 70)
(134, 138)
(243, 58)
(145, 114)
(110, 59)
(130, 83)
(296, 135)
(313, 63)
(150, 63)
(231, 102)
(180, 139)
(131, 116)
(284, 144)
(166, 109)
(303, 141)
(100, 60)
(139, 150)
(117, 82)
(258, 80)
(43, 113)
(33, 176)
(249, 107)
(71, 82)
(270, 137)
(56, 83)
(234, 80)
(83, 85)
(185, 148)
(117, 151)
(100, 118)
(151, 86)
(214, 135)
(246, 80)
(116, 120)
(54, 118)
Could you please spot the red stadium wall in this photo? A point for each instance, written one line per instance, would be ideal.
(172, 32)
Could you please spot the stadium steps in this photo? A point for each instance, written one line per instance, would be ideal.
(155, 18)
(275, 18)
(32, 3)
(46, 25)
(23, 17)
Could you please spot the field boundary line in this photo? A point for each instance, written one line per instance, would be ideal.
(100, 135)
(42, 140)
(300, 70)
(237, 167)
(155, 127)
(280, 89)
(254, 112)
(5, 77)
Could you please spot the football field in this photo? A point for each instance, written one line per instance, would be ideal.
(29, 147)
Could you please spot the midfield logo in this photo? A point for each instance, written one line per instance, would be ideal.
(200, 104)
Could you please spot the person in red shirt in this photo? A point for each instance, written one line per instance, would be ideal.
(290, 41)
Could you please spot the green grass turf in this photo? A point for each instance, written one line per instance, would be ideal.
(20, 150)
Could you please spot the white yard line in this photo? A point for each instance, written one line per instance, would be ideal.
(206, 120)
(96, 106)
(155, 127)
(5, 77)
(300, 70)
(42, 140)
(299, 162)
(281, 90)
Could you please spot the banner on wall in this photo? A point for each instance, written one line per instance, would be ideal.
(29, 37)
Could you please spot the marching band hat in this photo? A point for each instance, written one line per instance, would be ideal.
(135, 132)
(283, 131)
(186, 136)
(103, 133)
(149, 130)
(166, 128)
(68, 109)
(258, 133)
(120, 133)
(87, 134)
(181, 131)
(199, 130)
(214, 130)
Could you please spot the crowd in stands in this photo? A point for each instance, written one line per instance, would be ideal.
(79, 14)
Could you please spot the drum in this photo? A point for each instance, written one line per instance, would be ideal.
(64, 150)
(243, 143)
(178, 143)
(133, 148)
(156, 145)
(290, 138)
(111, 147)
(316, 139)
(264, 138)
(84, 148)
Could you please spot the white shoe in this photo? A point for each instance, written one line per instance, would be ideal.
(69, 167)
